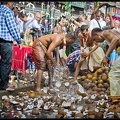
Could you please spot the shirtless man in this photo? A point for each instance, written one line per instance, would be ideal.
(89, 49)
(43, 48)
(113, 39)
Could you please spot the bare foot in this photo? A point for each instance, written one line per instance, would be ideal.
(10, 89)
(39, 91)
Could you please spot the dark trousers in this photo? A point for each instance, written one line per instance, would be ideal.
(5, 63)
(71, 67)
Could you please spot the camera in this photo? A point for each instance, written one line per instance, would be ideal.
(34, 31)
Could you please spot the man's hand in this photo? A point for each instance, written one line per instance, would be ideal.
(109, 14)
(84, 54)
(104, 62)
(55, 65)
(14, 43)
(66, 69)
(72, 19)
(66, 72)
(20, 46)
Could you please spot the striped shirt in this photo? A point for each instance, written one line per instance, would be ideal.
(73, 57)
(8, 27)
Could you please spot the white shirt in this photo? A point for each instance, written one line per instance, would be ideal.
(27, 25)
(35, 24)
(93, 23)
(19, 23)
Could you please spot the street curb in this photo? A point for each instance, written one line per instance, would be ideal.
(15, 92)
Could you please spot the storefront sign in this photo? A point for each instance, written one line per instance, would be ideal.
(112, 10)
(78, 4)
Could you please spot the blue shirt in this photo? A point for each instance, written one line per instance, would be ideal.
(73, 57)
(8, 27)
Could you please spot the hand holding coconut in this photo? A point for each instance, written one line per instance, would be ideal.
(84, 54)
(105, 61)
(113, 39)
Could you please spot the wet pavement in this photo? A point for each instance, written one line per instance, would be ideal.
(64, 100)
(19, 89)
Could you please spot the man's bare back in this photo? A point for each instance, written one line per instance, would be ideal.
(110, 35)
(55, 39)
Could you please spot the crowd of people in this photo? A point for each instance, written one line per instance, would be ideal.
(96, 39)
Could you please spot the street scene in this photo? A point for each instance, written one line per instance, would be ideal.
(59, 60)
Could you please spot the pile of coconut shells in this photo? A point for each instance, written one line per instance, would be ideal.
(89, 97)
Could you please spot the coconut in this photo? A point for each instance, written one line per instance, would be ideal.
(91, 116)
(58, 84)
(61, 111)
(103, 89)
(106, 85)
(103, 69)
(59, 116)
(94, 78)
(32, 95)
(35, 111)
(95, 88)
(91, 111)
(72, 107)
(58, 102)
(100, 81)
(66, 104)
(98, 89)
(45, 99)
(86, 86)
(87, 80)
(83, 77)
(87, 101)
(99, 115)
(89, 76)
(104, 77)
(52, 91)
(67, 84)
(100, 85)
(79, 115)
(107, 68)
(53, 98)
(99, 71)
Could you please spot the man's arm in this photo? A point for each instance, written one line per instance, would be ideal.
(77, 23)
(111, 20)
(51, 48)
(62, 62)
(112, 46)
(49, 54)
(94, 12)
(13, 29)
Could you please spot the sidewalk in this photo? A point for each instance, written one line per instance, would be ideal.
(20, 89)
